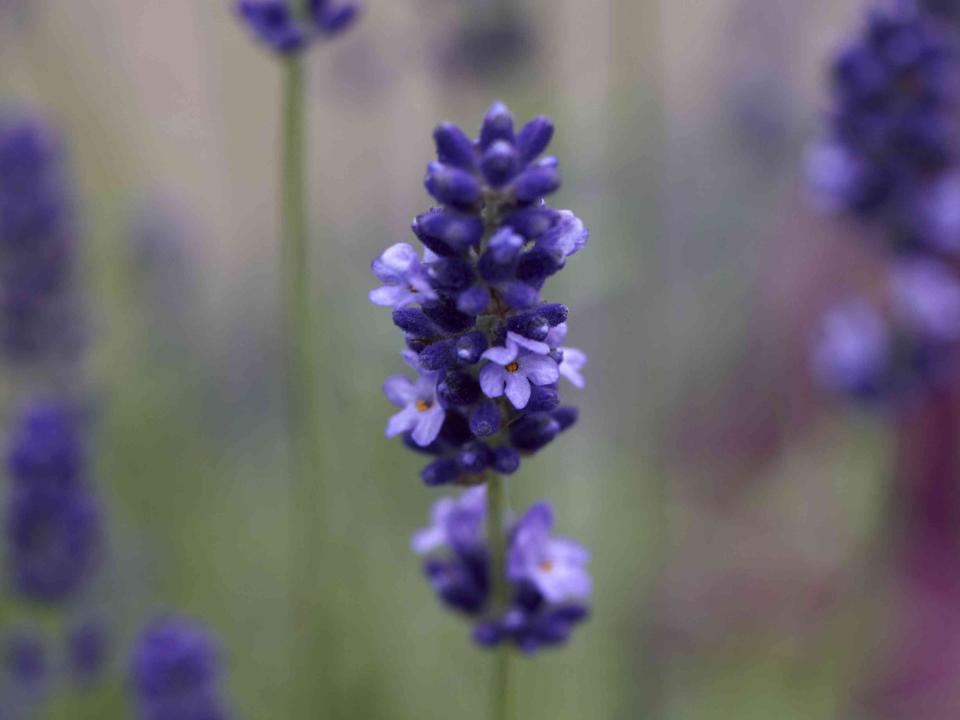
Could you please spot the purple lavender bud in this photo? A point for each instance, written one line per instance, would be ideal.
(537, 265)
(451, 274)
(442, 471)
(444, 314)
(543, 398)
(461, 585)
(415, 322)
(86, 651)
(499, 260)
(534, 138)
(470, 347)
(475, 457)
(451, 185)
(853, 351)
(453, 146)
(458, 389)
(274, 25)
(175, 672)
(499, 163)
(554, 313)
(456, 429)
(533, 325)
(25, 660)
(506, 460)
(532, 222)
(447, 232)
(473, 300)
(497, 125)
(485, 419)
(333, 17)
(439, 355)
(46, 447)
(566, 417)
(532, 432)
(535, 182)
(520, 296)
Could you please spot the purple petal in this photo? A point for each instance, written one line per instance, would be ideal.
(492, 379)
(535, 346)
(518, 390)
(557, 335)
(573, 361)
(399, 390)
(428, 425)
(404, 420)
(539, 369)
(395, 296)
(501, 355)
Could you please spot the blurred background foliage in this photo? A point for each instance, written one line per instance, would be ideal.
(733, 518)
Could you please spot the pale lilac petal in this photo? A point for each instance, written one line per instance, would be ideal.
(492, 379)
(399, 390)
(427, 540)
(568, 552)
(424, 291)
(518, 390)
(502, 355)
(539, 369)
(395, 296)
(557, 335)
(400, 258)
(411, 358)
(559, 582)
(428, 425)
(573, 361)
(535, 346)
(404, 420)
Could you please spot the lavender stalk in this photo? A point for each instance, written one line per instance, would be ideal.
(289, 27)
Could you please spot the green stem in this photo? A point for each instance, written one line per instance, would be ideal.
(306, 521)
(496, 515)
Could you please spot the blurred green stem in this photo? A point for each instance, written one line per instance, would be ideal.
(306, 521)
(496, 513)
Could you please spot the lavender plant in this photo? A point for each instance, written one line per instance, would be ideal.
(889, 161)
(289, 28)
(488, 353)
(52, 518)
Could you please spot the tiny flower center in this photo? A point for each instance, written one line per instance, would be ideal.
(512, 367)
(412, 289)
(423, 405)
(546, 565)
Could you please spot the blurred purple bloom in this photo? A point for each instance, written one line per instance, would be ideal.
(86, 651)
(852, 352)
(926, 295)
(276, 25)
(404, 279)
(455, 523)
(175, 672)
(556, 566)
(25, 660)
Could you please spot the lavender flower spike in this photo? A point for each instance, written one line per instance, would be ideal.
(556, 566)
(405, 282)
(276, 25)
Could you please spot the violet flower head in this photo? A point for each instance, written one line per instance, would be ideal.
(25, 661)
(277, 24)
(38, 318)
(175, 672)
(52, 515)
(471, 308)
(891, 124)
(87, 648)
(548, 578)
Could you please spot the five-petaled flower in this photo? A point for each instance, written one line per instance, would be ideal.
(556, 566)
(422, 414)
(511, 371)
(405, 282)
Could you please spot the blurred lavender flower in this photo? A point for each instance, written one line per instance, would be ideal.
(53, 522)
(38, 318)
(87, 648)
(277, 25)
(25, 659)
(547, 575)
(891, 126)
(175, 672)
(889, 157)
(471, 309)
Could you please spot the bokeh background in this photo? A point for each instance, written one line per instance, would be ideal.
(736, 517)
